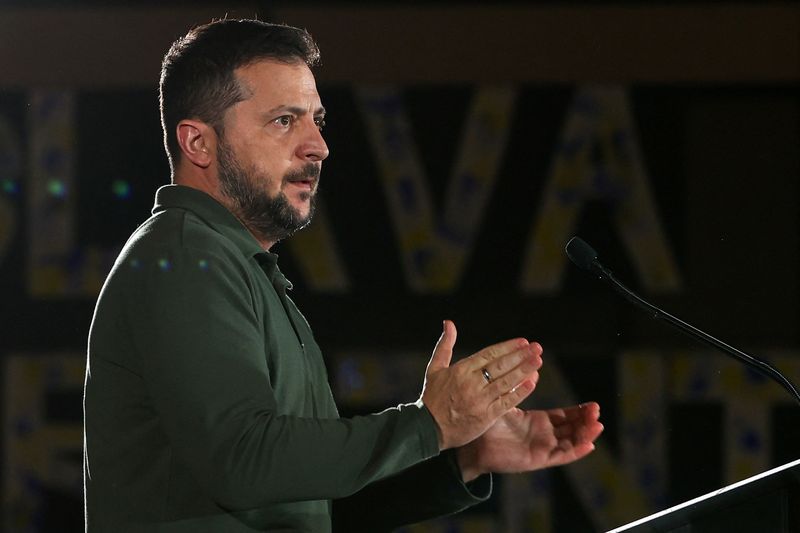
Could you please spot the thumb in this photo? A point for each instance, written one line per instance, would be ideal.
(443, 352)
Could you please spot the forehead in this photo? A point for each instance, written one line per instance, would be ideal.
(269, 81)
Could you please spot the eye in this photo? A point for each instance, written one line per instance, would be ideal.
(320, 122)
(284, 121)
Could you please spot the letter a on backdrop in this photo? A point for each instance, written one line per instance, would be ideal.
(598, 158)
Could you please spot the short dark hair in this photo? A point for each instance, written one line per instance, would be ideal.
(197, 74)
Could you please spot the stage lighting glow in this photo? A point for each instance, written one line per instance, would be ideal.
(9, 186)
(121, 189)
(57, 188)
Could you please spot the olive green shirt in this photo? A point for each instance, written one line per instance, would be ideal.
(207, 404)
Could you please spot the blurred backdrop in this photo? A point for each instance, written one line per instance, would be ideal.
(468, 143)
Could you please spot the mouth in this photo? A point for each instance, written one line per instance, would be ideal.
(305, 179)
(306, 184)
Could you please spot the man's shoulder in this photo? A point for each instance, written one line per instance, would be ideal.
(179, 230)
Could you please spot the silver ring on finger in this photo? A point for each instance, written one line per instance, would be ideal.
(486, 375)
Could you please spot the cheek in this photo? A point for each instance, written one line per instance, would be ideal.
(268, 172)
(266, 180)
(268, 161)
(272, 163)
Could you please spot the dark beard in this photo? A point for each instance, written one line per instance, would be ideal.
(268, 218)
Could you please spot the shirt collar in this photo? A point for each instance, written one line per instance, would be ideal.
(214, 214)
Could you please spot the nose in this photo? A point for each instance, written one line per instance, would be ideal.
(313, 146)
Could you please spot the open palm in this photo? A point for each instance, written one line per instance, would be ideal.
(521, 441)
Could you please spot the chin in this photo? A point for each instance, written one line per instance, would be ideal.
(302, 207)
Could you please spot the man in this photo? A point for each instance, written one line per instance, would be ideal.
(207, 406)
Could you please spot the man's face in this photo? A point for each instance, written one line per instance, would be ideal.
(270, 155)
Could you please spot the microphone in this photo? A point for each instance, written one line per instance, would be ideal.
(583, 255)
(585, 258)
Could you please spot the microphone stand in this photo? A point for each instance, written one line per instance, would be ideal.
(585, 257)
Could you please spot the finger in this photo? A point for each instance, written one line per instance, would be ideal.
(528, 369)
(484, 357)
(443, 351)
(591, 432)
(591, 427)
(586, 411)
(506, 402)
(580, 422)
(507, 371)
(578, 431)
(567, 452)
(587, 424)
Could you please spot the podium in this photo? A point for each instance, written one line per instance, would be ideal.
(768, 502)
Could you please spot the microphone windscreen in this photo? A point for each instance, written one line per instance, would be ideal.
(581, 253)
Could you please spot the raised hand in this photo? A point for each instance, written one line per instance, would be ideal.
(466, 398)
(522, 441)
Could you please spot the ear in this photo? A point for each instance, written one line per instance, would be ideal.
(197, 141)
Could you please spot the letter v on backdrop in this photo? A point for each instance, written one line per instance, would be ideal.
(435, 249)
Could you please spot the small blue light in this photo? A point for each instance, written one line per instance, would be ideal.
(57, 188)
(121, 189)
(9, 186)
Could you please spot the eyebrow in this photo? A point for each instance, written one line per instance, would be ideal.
(294, 110)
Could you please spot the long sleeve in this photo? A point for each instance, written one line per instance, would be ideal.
(424, 491)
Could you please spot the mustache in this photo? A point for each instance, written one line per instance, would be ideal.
(307, 171)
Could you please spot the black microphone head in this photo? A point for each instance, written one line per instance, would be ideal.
(581, 253)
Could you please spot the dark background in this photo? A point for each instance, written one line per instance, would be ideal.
(713, 90)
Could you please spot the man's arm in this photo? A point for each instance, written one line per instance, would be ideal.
(520, 441)
(210, 385)
(422, 492)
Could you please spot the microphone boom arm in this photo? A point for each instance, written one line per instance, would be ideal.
(585, 257)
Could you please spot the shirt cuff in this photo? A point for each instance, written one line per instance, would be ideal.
(475, 491)
(429, 433)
